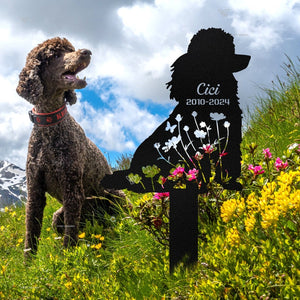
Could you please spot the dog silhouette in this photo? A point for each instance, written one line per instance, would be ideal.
(204, 129)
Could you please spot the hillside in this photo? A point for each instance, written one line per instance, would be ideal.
(249, 245)
(275, 123)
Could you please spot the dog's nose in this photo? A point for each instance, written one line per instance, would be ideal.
(85, 52)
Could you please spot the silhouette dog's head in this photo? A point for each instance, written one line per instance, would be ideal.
(210, 57)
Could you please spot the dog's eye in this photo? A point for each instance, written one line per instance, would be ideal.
(57, 55)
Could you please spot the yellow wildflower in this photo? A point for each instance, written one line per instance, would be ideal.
(82, 235)
(270, 217)
(98, 236)
(250, 222)
(233, 237)
(68, 284)
(252, 202)
(98, 246)
(232, 208)
(3, 269)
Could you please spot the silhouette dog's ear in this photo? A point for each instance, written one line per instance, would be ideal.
(240, 62)
(30, 86)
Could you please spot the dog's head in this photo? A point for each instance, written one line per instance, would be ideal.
(52, 67)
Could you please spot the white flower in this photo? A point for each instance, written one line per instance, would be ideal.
(217, 116)
(175, 140)
(157, 145)
(171, 143)
(186, 128)
(202, 124)
(178, 118)
(293, 146)
(194, 114)
(200, 134)
(167, 146)
(226, 124)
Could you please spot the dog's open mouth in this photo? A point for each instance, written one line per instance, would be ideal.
(71, 75)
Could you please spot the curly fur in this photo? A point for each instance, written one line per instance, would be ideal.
(61, 160)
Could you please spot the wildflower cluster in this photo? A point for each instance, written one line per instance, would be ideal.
(276, 204)
(151, 211)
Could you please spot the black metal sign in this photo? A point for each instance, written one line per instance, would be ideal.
(201, 135)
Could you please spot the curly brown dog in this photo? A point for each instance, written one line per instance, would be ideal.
(61, 160)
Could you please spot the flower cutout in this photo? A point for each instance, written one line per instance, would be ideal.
(194, 114)
(178, 118)
(217, 116)
(202, 124)
(178, 172)
(198, 156)
(208, 148)
(226, 124)
(171, 143)
(186, 128)
(192, 174)
(200, 134)
(157, 145)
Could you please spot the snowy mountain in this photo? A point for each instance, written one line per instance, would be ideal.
(12, 184)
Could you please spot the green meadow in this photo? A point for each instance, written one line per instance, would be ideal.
(249, 244)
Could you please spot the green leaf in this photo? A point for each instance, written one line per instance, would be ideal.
(291, 225)
(151, 171)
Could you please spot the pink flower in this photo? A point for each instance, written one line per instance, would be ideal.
(208, 148)
(267, 153)
(159, 196)
(198, 156)
(192, 174)
(280, 165)
(223, 154)
(256, 170)
(178, 171)
(162, 180)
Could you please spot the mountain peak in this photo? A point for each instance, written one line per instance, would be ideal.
(12, 184)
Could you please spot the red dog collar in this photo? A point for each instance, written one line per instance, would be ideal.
(48, 119)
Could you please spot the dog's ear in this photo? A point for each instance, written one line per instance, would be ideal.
(30, 86)
(70, 97)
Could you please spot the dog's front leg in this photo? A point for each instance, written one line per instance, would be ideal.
(35, 205)
(72, 205)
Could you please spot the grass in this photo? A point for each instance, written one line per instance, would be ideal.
(275, 122)
(249, 246)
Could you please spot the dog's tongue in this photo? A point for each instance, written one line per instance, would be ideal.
(70, 77)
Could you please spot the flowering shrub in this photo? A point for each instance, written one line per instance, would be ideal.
(274, 197)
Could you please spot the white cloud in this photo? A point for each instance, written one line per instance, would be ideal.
(15, 126)
(115, 128)
(266, 23)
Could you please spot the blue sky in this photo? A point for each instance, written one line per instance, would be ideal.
(134, 43)
(94, 97)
